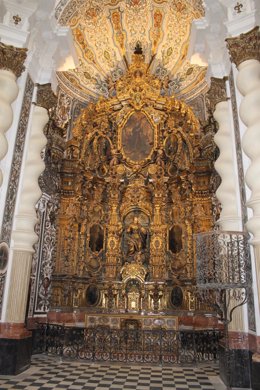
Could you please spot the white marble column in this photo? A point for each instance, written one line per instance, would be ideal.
(227, 192)
(8, 93)
(23, 236)
(11, 67)
(245, 53)
(248, 83)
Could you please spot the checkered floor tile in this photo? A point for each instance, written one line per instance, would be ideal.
(48, 373)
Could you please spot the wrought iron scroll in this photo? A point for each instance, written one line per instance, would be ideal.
(224, 276)
(223, 270)
(241, 178)
(222, 260)
(127, 345)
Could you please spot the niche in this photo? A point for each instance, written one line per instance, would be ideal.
(175, 239)
(176, 297)
(96, 238)
(92, 295)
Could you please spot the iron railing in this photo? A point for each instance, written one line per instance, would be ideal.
(127, 345)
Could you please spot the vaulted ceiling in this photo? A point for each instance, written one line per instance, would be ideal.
(106, 32)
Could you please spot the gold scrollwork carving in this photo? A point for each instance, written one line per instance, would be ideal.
(132, 176)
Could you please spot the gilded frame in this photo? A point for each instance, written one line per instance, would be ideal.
(120, 130)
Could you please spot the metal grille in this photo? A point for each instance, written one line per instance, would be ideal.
(127, 345)
(223, 260)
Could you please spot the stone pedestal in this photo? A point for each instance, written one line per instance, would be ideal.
(234, 367)
(15, 349)
(15, 356)
(256, 371)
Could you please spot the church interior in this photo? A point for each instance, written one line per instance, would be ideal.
(129, 184)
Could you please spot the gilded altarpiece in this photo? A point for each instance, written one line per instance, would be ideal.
(135, 188)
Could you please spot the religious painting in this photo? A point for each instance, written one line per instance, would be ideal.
(137, 137)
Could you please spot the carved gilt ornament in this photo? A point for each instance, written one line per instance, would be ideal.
(217, 93)
(245, 46)
(12, 58)
(45, 97)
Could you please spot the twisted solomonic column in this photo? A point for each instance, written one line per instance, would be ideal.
(245, 53)
(224, 165)
(11, 67)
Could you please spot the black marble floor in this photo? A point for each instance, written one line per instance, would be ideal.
(48, 373)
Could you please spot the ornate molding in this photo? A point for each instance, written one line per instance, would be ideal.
(241, 174)
(45, 97)
(245, 46)
(12, 58)
(216, 94)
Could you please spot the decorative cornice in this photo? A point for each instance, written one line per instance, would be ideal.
(12, 58)
(217, 93)
(245, 46)
(45, 97)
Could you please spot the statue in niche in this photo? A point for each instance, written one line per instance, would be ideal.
(97, 153)
(171, 146)
(96, 238)
(136, 236)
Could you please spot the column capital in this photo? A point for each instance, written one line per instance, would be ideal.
(12, 58)
(245, 46)
(217, 93)
(45, 97)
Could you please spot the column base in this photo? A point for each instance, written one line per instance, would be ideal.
(15, 349)
(256, 371)
(235, 367)
(15, 356)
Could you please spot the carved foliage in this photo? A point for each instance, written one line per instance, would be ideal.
(245, 46)
(12, 58)
(45, 97)
(116, 212)
(216, 94)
